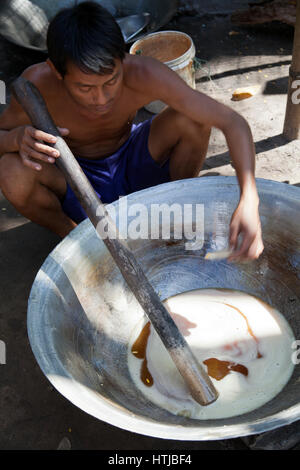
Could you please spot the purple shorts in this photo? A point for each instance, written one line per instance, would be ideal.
(131, 168)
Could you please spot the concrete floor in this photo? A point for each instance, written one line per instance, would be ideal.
(34, 415)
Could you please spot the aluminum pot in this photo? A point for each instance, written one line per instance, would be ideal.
(81, 314)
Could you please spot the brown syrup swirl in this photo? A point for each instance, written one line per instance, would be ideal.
(216, 368)
(139, 350)
(259, 355)
(219, 369)
(140, 345)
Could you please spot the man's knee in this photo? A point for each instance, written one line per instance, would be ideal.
(7, 169)
(189, 155)
(19, 182)
(190, 129)
(15, 181)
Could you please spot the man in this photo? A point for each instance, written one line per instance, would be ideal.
(93, 90)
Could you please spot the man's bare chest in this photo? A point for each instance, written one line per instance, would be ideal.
(95, 137)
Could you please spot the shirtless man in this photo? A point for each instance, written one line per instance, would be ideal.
(93, 90)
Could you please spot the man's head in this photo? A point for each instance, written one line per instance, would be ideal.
(86, 48)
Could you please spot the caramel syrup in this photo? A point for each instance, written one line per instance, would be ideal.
(140, 345)
(139, 350)
(248, 327)
(219, 369)
(216, 368)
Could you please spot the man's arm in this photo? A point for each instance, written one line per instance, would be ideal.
(162, 83)
(18, 135)
(11, 120)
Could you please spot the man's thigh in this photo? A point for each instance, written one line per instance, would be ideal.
(164, 134)
(173, 134)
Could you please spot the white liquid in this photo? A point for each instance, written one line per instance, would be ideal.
(220, 332)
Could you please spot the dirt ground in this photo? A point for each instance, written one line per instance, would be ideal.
(34, 415)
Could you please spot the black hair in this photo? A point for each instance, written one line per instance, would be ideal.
(88, 35)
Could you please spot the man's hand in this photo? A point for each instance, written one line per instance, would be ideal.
(245, 221)
(31, 148)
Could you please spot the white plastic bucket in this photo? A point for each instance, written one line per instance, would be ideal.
(175, 49)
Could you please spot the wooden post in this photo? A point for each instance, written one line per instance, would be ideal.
(291, 128)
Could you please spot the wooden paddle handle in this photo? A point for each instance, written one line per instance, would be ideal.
(196, 378)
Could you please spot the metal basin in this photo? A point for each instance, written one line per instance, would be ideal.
(25, 22)
(81, 314)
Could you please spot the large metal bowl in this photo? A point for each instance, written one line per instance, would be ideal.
(79, 325)
(25, 22)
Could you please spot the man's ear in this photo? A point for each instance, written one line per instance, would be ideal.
(52, 67)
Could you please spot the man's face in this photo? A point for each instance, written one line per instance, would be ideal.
(94, 93)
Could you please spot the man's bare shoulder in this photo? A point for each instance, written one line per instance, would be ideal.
(42, 77)
(153, 79)
(139, 71)
(14, 115)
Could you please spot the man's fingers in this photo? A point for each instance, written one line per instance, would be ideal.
(36, 134)
(255, 249)
(33, 146)
(241, 252)
(40, 156)
(260, 248)
(251, 253)
(233, 236)
(248, 252)
(31, 153)
(29, 163)
(41, 148)
(40, 135)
